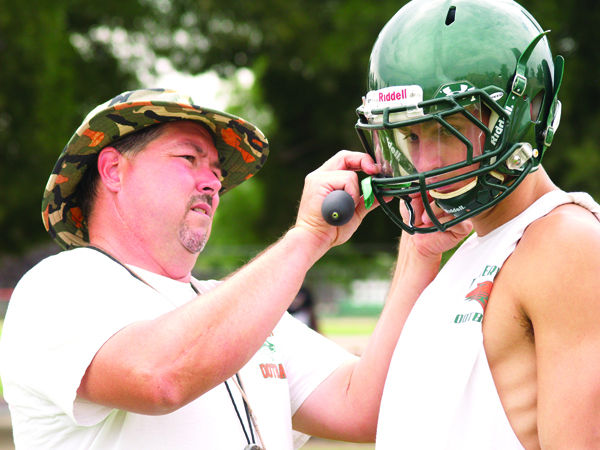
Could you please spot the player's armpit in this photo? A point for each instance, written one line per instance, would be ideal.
(559, 293)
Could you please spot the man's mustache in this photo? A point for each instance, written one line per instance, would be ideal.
(202, 198)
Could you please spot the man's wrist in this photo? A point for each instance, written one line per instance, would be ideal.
(310, 244)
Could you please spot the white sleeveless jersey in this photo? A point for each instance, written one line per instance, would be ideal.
(439, 392)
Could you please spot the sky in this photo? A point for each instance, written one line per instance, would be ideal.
(133, 49)
(207, 89)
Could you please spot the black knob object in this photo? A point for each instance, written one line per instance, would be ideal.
(337, 208)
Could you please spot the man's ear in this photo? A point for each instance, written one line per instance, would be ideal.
(109, 162)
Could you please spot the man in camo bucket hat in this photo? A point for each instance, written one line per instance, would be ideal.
(242, 147)
(113, 344)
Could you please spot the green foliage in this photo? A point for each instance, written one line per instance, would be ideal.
(1, 388)
(572, 160)
(59, 58)
(46, 87)
(309, 59)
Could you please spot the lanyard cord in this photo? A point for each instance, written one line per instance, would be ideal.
(238, 414)
(237, 376)
(237, 380)
(249, 415)
(131, 272)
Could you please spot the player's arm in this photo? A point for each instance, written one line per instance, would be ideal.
(346, 405)
(559, 293)
(157, 366)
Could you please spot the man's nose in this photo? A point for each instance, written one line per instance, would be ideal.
(208, 181)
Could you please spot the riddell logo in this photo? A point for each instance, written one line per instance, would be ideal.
(393, 96)
(454, 210)
(498, 129)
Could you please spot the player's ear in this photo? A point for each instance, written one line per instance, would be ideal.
(110, 163)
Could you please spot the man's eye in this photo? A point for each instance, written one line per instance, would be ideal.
(190, 158)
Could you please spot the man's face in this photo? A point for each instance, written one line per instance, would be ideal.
(170, 190)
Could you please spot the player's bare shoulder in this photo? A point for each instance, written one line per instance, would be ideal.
(570, 222)
(556, 264)
(559, 246)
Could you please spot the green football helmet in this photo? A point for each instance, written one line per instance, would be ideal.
(462, 105)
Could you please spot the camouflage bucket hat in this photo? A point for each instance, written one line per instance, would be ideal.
(242, 147)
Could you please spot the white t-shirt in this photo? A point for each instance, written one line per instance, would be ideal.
(66, 307)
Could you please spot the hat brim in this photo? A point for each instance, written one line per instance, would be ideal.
(242, 147)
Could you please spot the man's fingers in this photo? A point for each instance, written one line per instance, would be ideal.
(347, 160)
(362, 210)
(421, 215)
(334, 180)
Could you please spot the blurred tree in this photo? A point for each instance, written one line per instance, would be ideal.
(46, 87)
(573, 159)
(58, 58)
(310, 60)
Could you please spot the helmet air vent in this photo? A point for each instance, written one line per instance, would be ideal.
(451, 15)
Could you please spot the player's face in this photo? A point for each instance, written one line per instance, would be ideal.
(171, 190)
(431, 146)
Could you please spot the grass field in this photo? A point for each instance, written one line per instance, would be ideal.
(352, 333)
(323, 444)
(347, 326)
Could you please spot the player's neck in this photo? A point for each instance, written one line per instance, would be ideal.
(534, 186)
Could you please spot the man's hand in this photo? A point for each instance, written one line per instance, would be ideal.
(337, 173)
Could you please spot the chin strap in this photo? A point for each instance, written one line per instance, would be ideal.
(519, 85)
(556, 107)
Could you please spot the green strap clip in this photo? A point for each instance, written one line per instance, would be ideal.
(367, 190)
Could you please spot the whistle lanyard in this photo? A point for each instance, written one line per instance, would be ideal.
(252, 445)
(237, 381)
(249, 439)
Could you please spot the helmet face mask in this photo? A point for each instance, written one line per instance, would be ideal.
(445, 144)
(465, 143)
